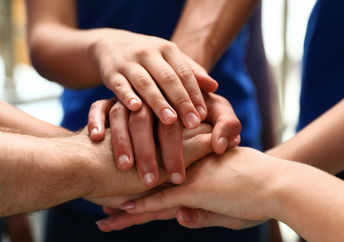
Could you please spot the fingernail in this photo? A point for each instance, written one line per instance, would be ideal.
(186, 216)
(103, 222)
(201, 111)
(133, 102)
(176, 178)
(192, 120)
(123, 159)
(149, 178)
(127, 206)
(223, 142)
(94, 131)
(167, 115)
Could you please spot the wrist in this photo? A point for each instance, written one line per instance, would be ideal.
(284, 185)
(68, 160)
(199, 52)
(274, 180)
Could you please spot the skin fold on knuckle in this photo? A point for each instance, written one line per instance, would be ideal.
(186, 74)
(168, 47)
(117, 86)
(143, 53)
(142, 82)
(116, 110)
(183, 101)
(235, 126)
(167, 78)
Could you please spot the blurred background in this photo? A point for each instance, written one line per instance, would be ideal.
(283, 22)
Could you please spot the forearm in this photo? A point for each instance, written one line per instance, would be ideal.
(309, 200)
(38, 173)
(207, 27)
(12, 118)
(320, 144)
(62, 54)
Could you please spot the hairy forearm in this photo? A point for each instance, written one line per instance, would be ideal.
(38, 173)
(207, 27)
(18, 121)
(320, 144)
(309, 200)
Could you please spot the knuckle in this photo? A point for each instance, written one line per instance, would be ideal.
(143, 82)
(168, 77)
(117, 86)
(195, 94)
(121, 140)
(116, 109)
(185, 100)
(108, 73)
(97, 104)
(160, 197)
(143, 53)
(235, 125)
(185, 73)
(169, 46)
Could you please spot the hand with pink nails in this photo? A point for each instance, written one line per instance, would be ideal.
(222, 190)
(133, 136)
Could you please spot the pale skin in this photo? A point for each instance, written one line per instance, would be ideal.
(126, 61)
(245, 187)
(38, 170)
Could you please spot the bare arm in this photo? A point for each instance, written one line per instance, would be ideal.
(12, 118)
(122, 60)
(320, 144)
(35, 172)
(207, 27)
(38, 173)
(245, 187)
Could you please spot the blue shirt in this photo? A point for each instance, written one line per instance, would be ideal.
(159, 18)
(323, 65)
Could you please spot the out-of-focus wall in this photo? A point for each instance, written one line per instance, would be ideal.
(19, 32)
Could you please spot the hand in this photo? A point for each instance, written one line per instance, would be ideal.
(147, 64)
(228, 191)
(110, 182)
(132, 132)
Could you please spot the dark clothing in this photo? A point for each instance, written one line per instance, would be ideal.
(75, 221)
(323, 65)
(70, 225)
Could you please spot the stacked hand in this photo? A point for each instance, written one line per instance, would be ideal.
(227, 191)
(133, 136)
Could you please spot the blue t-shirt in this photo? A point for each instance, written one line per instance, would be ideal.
(323, 64)
(159, 18)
